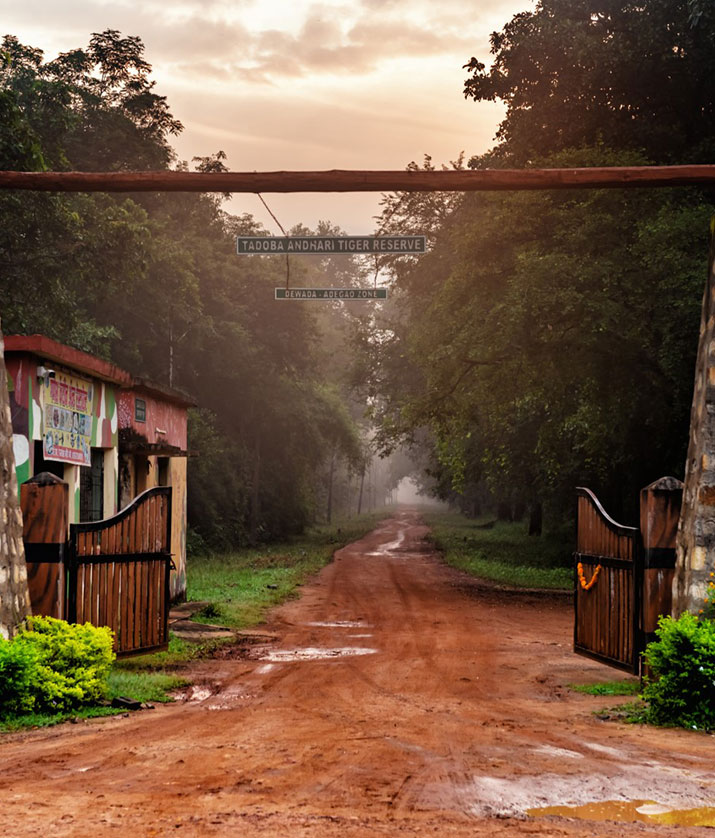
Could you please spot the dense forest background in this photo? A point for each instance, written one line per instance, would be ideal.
(547, 339)
(152, 281)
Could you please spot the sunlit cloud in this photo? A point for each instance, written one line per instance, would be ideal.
(300, 84)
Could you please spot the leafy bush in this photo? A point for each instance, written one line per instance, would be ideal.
(681, 687)
(53, 667)
(17, 677)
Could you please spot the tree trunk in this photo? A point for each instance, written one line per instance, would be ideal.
(14, 595)
(362, 485)
(255, 493)
(536, 514)
(329, 511)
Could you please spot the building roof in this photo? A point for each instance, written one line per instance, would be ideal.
(161, 393)
(58, 353)
(50, 350)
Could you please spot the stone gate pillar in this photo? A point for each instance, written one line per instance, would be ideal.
(696, 531)
(14, 597)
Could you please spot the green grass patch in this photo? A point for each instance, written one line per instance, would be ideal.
(242, 586)
(632, 713)
(630, 687)
(501, 551)
(148, 686)
(143, 686)
(47, 720)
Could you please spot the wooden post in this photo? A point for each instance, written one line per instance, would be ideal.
(696, 533)
(14, 596)
(45, 505)
(660, 512)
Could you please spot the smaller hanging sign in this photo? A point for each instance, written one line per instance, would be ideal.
(343, 294)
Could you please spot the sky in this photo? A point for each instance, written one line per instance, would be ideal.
(365, 84)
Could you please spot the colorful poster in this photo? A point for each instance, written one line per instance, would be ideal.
(67, 431)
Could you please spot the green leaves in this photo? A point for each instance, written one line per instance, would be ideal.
(53, 666)
(681, 687)
(548, 341)
(576, 72)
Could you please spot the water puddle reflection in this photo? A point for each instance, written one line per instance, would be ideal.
(645, 811)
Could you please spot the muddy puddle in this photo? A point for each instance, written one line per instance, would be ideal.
(390, 547)
(196, 693)
(312, 653)
(643, 811)
(339, 624)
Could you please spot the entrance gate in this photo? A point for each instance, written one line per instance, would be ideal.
(119, 572)
(608, 584)
(109, 573)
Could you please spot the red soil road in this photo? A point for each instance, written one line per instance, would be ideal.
(459, 722)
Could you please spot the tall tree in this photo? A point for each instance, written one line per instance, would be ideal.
(632, 75)
(546, 340)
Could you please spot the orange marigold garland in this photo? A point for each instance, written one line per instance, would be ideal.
(582, 579)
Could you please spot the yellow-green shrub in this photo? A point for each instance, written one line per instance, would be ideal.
(54, 666)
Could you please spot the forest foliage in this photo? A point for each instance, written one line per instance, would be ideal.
(548, 339)
(152, 281)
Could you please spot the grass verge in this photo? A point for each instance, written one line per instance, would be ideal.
(630, 687)
(501, 551)
(142, 686)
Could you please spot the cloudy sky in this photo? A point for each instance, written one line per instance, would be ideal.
(295, 84)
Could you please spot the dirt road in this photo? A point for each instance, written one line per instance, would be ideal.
(446, 713)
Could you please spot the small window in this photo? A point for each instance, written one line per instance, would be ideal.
(140, 410)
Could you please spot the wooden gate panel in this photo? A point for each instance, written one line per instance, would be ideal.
(606, 624)
(44, 503)
(119, 573)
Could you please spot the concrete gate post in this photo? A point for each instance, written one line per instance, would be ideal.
(14, 596)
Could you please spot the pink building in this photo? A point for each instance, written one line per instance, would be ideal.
(107, 434)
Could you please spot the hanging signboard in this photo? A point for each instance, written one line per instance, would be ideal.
(67, 426)
(350, 245)
(343, 294)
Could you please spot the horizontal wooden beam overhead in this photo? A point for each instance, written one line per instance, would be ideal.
(343, 180)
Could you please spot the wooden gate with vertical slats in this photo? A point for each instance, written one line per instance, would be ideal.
(606, 623)
(119, 573)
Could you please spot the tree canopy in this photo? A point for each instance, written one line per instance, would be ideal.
(152, 282)
(633, 76)
(547, 340)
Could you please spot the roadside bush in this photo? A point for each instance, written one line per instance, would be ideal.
(681, 688)
(17, 677)
(53, 667)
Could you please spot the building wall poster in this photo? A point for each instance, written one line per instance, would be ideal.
(67, 419)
